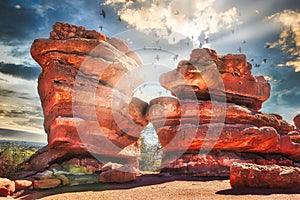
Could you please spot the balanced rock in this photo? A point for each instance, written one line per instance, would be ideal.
(216, 109)
(210, 76)
(264, 176)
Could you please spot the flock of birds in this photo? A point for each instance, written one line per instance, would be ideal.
(169, 32)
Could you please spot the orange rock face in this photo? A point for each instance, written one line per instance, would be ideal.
(86, 99)
(217, 110)
(207, 75)
(269, 176)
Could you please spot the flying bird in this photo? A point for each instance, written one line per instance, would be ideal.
(157, 57)
(252, 60)
(240, 49)
(265, 61)
(244, 42)
(103, 13)
(257, 65)
(175, 57)
(267, 46)
(169, 30)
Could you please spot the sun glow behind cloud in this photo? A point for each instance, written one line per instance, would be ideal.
(191, 18)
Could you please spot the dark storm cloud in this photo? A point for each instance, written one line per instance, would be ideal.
(16, 135)
(17, 24)
(21, 71)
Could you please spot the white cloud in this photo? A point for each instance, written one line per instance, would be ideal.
(289, 38)
(190, 18)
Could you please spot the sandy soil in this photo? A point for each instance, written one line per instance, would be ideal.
(160, 188)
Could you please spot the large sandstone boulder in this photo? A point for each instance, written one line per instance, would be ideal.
(198, 78)
(86, 98)
(264, 176)
(217, 109)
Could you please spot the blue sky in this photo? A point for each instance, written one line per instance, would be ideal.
(228, 25)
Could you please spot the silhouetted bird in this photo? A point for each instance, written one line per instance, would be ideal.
(206, 40)
(100, 27)
(119, 18)
(103, 13)
(252, 60)
(244, 42)
(169, 30)
(265, 61)
(257, 65)
(267, 46)
(240, 49)
(157, 57)
(175, 57)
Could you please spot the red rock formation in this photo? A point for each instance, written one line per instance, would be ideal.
(199, 120)
(297, 122)
(264, 176)
(198, 77)
(216, 163)
(87, 107)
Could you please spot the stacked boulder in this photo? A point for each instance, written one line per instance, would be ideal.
(89, 110)
(215, 119)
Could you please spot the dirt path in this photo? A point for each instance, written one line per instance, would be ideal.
(161, 188)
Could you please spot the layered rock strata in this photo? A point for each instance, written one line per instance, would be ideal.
(87, 101)
(215, 122)
(264, 176)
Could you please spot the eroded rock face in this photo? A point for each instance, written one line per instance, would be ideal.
(260, 176)
(86, 99)
(207, 75)
(216, 163)
(297, 122)
(217, 110)
(7, 187)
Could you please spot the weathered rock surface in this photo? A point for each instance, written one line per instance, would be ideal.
(264, 176)
(7, 187)
(46, 184)
(22, 184)
(207, 75)
(171, 111)
(121, 174)
(216, 163)
(86, 99)
(217, 109)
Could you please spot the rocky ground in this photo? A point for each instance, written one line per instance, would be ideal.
(161, 188)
